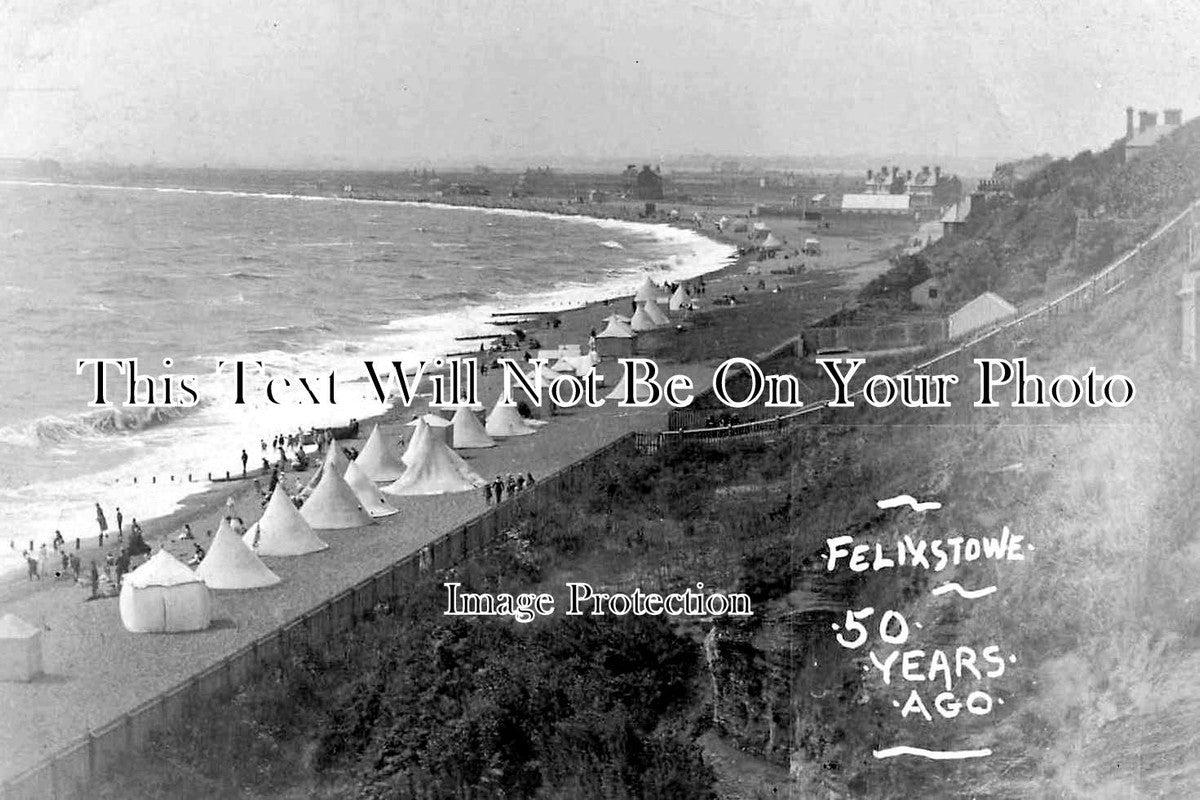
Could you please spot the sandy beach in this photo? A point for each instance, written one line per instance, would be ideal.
(97, 671)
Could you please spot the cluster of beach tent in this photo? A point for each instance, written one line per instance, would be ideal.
(620, 331)
(164, 595)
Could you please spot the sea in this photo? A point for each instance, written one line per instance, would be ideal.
(188, 278)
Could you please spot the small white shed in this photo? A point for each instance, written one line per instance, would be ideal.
(20, 649)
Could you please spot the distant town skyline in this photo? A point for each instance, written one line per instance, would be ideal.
(383, 85)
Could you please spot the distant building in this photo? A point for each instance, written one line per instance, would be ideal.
(649, 185)
(876, 203)
(982, 312)
(955, 217)
(929, 188)
(928, 294)
(1148, 132)
(884, 182)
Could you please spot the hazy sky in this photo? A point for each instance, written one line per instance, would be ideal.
(374, 84)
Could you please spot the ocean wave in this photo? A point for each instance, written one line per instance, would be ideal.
(247, 276)
(316, 326)
(91, 424)
(613, 245)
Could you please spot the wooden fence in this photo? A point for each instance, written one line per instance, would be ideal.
(68, 774)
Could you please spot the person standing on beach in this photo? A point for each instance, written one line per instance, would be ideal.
(95, 576)
(120, 522)
(32, 564)
(487, 494)
(100, 518)
(499, 484)
(529, 480)
(43, 559)
(245, 458)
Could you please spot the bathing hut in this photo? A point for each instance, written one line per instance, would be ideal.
(164, 596)
(20, 649)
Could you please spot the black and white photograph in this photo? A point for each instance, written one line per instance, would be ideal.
(607, 400)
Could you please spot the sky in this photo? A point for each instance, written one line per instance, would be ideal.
(394, 83)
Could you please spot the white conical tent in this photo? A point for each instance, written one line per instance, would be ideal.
(616, 329)
(379, 459)
(655, 312)
(425, 425)
(617, 318)
(505, 421)
(469, 431)
(679, 299)
(436, 469)
(772, 242)
(641, 392)
(20, 649)
(230, 564)
(339, 458)
(585, 364)
(281, 531)
(647, 291)
(367, 493)
(164, 596)
(563, 364)
(333, 504)
(642, 321)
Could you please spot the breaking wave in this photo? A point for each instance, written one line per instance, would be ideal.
(90, 424)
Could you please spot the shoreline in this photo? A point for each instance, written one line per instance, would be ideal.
(152, 525)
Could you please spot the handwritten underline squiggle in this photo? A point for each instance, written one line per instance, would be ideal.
(910, 501)
(970, 594)
(936, 755)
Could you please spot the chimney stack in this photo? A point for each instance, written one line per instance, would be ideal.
(1147, 119)
(1128, 122)
(937, 173)
(870, 174)
(1173, 116)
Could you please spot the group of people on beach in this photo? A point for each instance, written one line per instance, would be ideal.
(512, 484)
